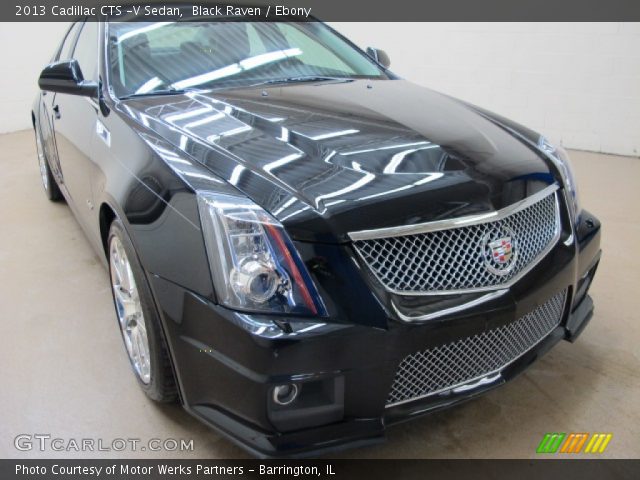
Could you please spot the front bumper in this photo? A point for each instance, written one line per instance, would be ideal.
(227, 364)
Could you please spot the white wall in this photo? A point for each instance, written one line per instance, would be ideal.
(26, 48)
(578, 83)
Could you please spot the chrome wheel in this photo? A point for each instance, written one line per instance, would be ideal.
(42, 162)
(129, 310)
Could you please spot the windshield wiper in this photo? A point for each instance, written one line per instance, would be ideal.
(153, 93)
(302, 79)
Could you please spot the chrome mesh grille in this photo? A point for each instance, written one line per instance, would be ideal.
(444, 367)
(455, 259)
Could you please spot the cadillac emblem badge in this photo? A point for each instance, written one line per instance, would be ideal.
(500, 251)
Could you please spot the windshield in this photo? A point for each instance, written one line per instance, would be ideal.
(152, 57)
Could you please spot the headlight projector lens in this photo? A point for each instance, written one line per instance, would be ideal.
(255, 280)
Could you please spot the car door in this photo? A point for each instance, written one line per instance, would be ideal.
(74, 121)
(46, 114)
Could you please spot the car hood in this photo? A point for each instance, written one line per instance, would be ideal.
(331, 158)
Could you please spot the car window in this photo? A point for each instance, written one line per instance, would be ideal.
(256, 45)
(86, 51)
(147, 57)
(67, 44)
(168, 38)
(313, 52)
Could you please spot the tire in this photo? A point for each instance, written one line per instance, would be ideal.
(138, 318)
(51, 189)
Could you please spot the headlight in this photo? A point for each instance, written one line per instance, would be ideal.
(560, 158)
(254, 265)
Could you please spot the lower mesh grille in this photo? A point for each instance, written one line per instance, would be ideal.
(444, 367)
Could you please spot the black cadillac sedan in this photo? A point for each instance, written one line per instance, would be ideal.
(302, 247)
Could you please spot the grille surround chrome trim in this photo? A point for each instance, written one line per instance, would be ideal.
(559, 298)
(461, 222)
(453, 222)
(451, 310)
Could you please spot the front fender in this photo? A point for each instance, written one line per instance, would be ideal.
(143, 182)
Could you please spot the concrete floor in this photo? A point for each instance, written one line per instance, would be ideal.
(65, 372)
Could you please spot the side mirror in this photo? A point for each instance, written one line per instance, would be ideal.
(66, 77)
(379, 56)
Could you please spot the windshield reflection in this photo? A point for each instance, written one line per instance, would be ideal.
(145, 58)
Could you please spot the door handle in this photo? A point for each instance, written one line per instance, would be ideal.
(56, 111)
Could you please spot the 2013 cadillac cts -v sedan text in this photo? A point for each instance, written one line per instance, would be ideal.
(304, 248)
